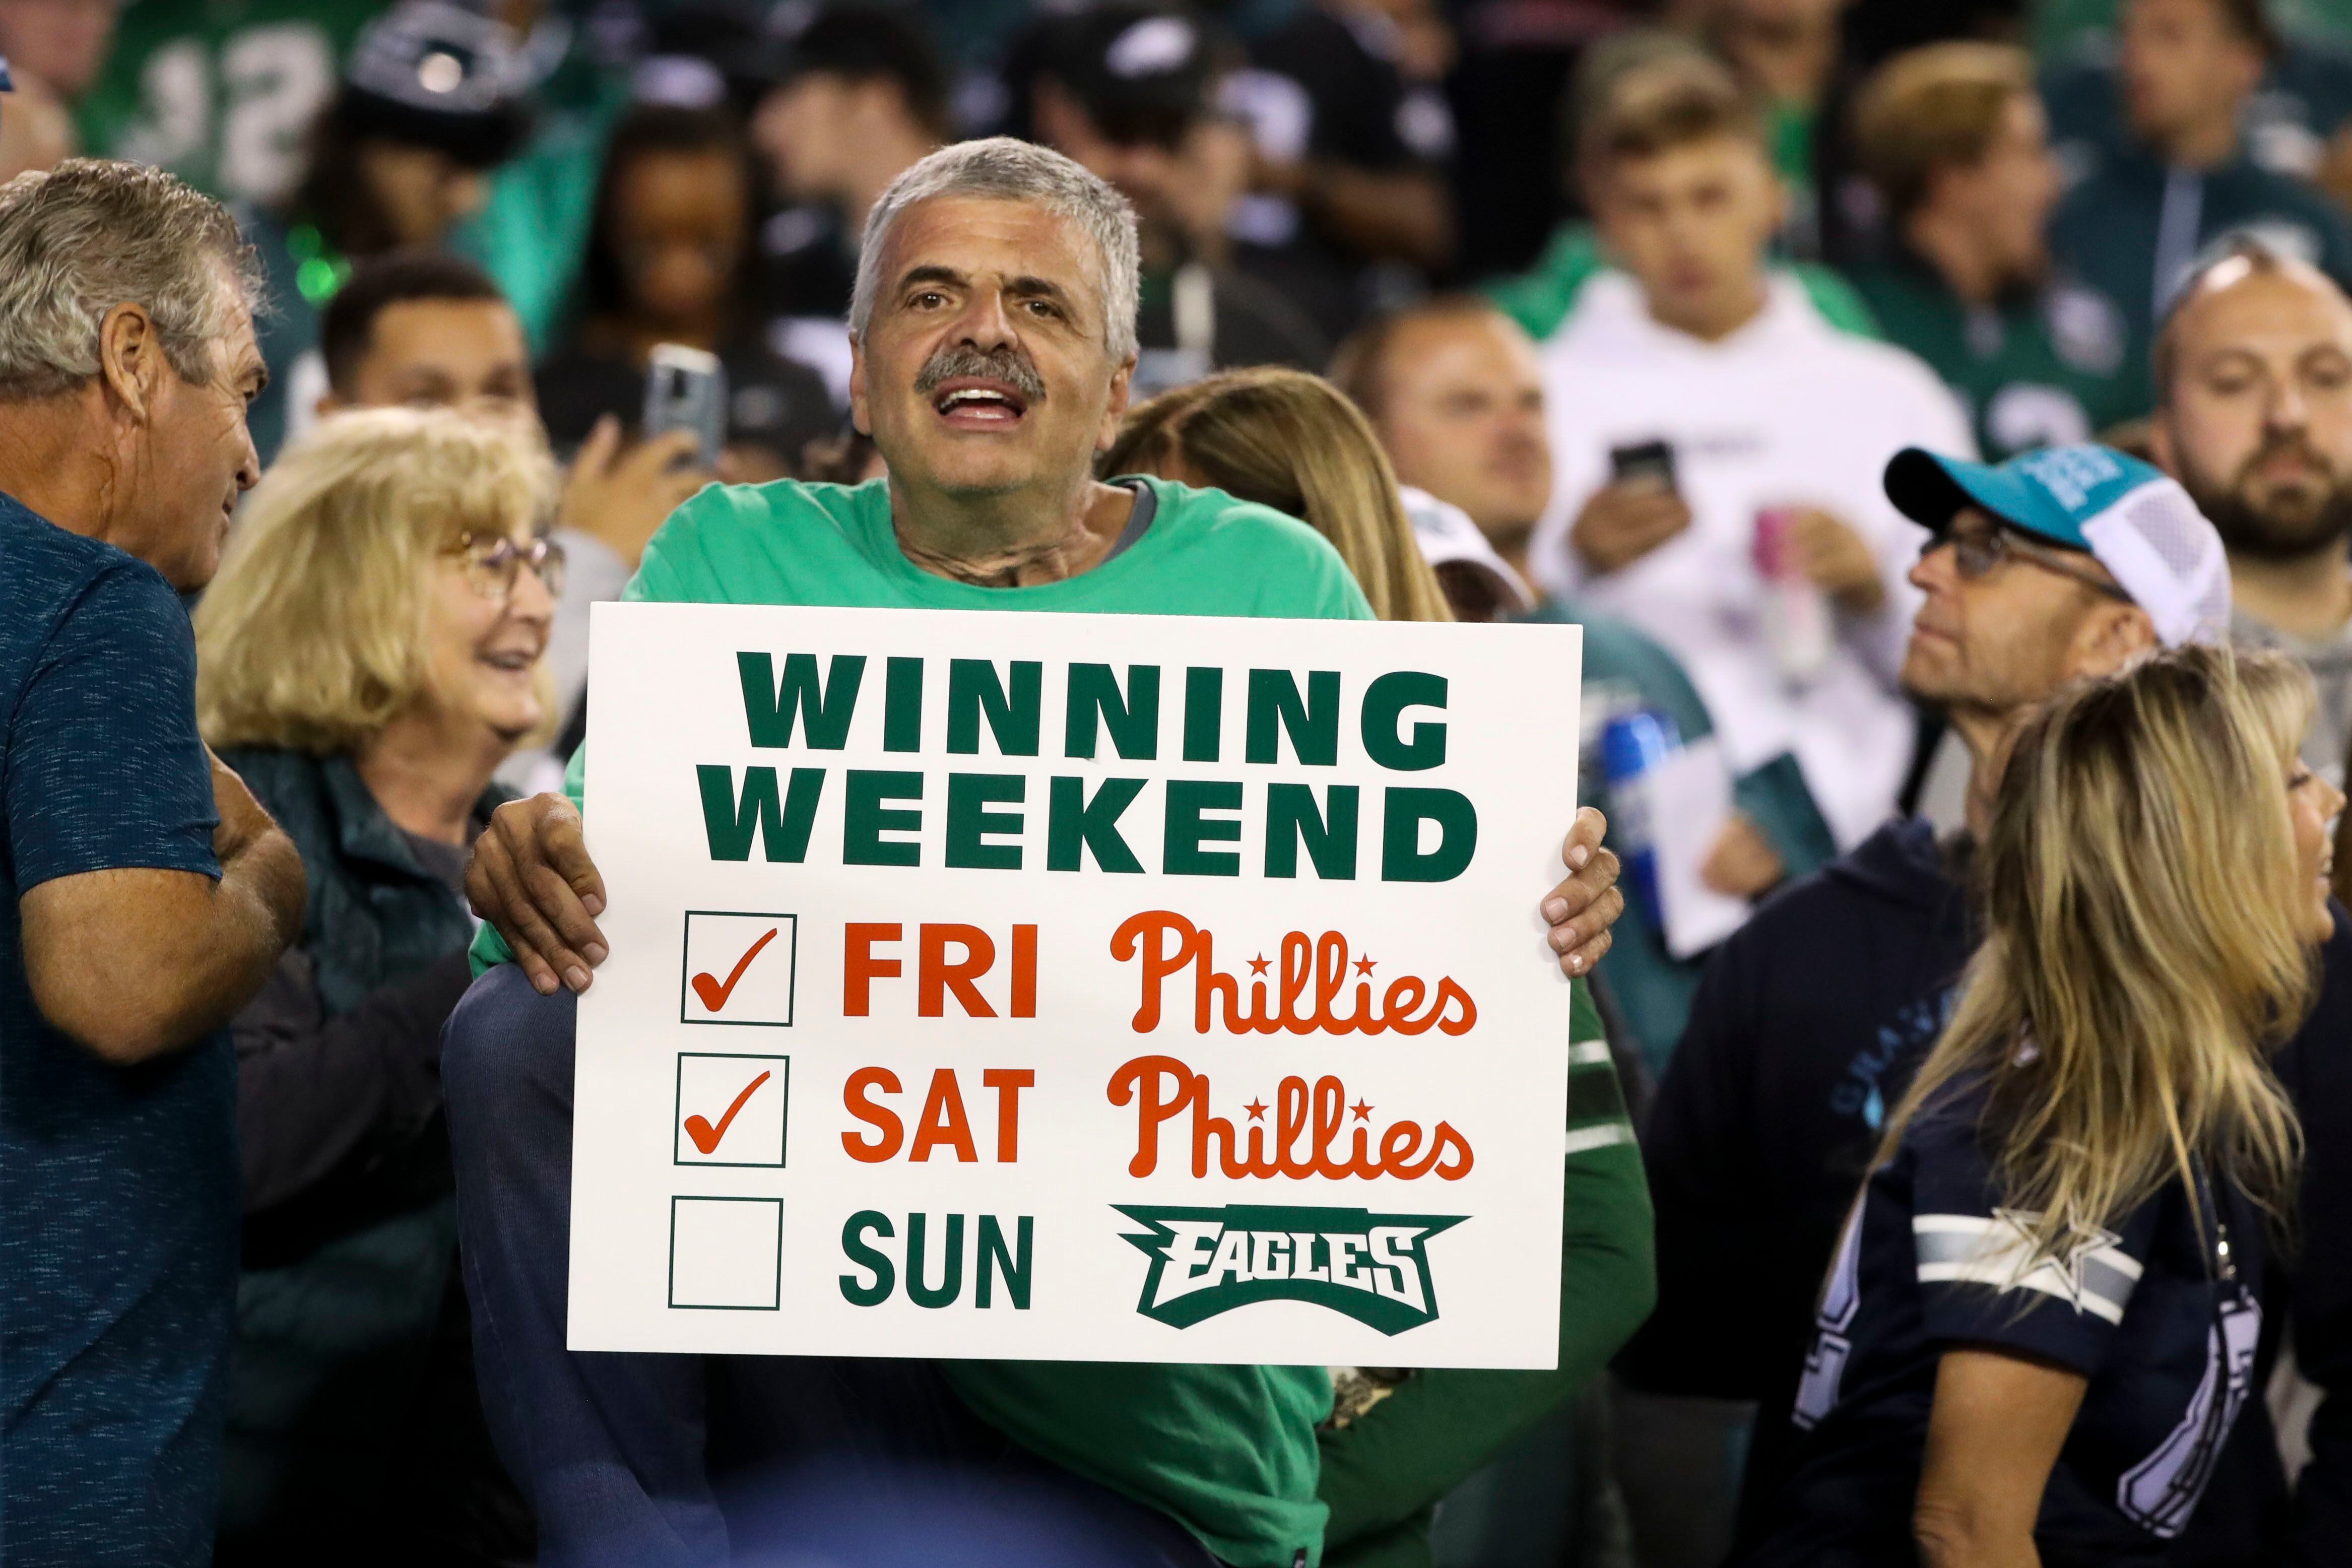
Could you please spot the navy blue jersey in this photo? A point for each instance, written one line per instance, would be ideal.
(2159, 1313)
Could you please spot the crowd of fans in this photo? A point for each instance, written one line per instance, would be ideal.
(1915, 402)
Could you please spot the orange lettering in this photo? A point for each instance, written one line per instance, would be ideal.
(1159, 962)
(855, 1095)
(935, 976)
(1008, 1083)
(943, 1122)
(860, 968)
(1140, 1081)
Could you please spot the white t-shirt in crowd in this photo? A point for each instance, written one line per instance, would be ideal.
(1786, 412)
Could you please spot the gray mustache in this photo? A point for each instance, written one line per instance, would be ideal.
(1010, 366)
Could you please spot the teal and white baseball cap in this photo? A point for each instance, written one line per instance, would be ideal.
(2132, 517)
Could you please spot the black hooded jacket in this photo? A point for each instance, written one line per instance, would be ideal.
(1807, 1027)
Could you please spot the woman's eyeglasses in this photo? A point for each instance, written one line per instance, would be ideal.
(492, 561)
(1978, 547)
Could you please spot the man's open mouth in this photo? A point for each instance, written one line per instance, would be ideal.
(977, 403)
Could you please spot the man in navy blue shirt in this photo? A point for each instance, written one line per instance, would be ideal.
(147, 894)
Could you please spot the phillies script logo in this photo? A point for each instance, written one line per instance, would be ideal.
(1371, 1266)
(1169, 944)
(1308, 1124)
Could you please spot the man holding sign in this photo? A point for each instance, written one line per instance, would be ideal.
(993, 326)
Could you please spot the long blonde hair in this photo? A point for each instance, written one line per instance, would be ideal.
(1294, 442)
(2142, 954)
(313, 636)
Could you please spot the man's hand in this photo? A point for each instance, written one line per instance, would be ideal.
(621, 498)
(1580, 910)
(1834, 559)
(530, 879)
(1622, 523)
(1743, 862)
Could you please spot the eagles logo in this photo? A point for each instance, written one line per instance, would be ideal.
(1373, 1268)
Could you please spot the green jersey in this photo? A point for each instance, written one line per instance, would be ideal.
(1228, 1451)
(221, 92)
(1540, 299)
(531, 234)
(2042, 369)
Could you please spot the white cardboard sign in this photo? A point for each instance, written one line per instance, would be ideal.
(1075, 987)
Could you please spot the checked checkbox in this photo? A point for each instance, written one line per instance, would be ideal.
(731, 1109)
(738, 969)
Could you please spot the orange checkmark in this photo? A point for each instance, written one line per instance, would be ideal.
(705, 1137)
(714, 996)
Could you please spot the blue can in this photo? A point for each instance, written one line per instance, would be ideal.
(1632, 745)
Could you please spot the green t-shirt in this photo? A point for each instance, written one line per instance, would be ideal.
(2047, 369)
(1227, 1452)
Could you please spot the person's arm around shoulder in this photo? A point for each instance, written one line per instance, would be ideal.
(132, 945)
(1994, 1438)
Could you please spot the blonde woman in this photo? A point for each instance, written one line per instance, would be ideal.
(368, 655)
(1291, 441)
(2041, 1324)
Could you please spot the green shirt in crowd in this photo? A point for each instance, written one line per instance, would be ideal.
(1541, 297)
(2044, 368)
(2135, 230)
(1228, 1451)
(220, 92)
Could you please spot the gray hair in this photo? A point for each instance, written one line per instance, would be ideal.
(91, 234)
(1004, 169)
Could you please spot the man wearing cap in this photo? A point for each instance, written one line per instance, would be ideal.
(434, 97)
(1454, 391)
(1809, 1022)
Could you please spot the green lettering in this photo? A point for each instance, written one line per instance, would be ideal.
(1314, 724)
(952, 1286)
(873, 1259)
(1291, 819)
(864, 819)
(1073, 823)
(973, 691)
(1094, 699)
(993, 1255)
(824, 709)
(1185, 830)
(902, 705)
(1401, 817)
(970, 821)
(1385, 700)
(728, 823)
(1204, 708)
